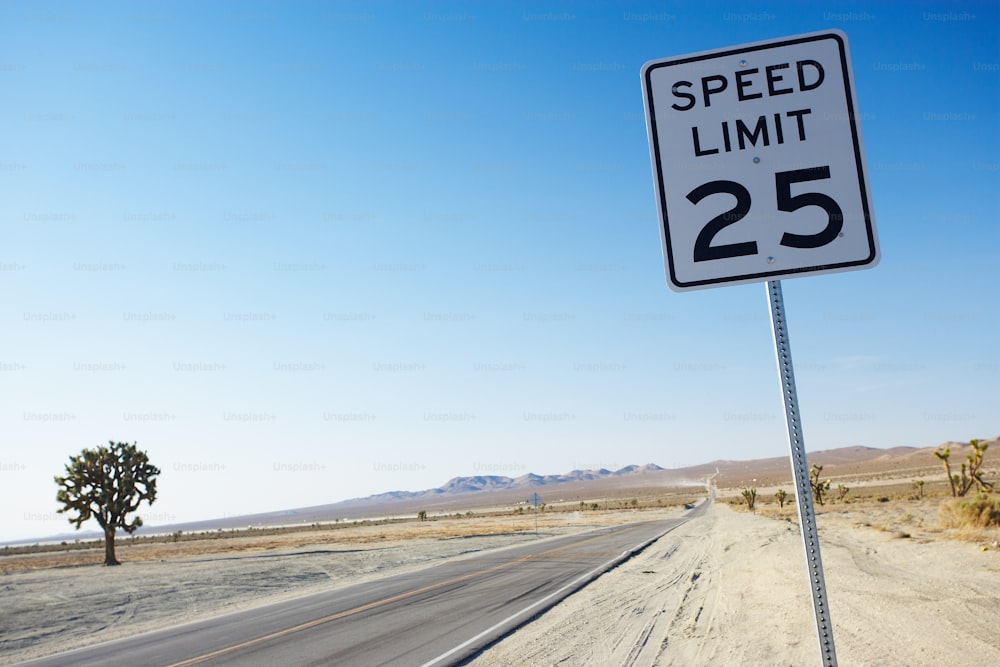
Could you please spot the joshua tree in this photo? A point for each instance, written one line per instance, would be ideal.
(422, 515)
(781, 495)
(975, 461)
(107, 484)
(750, 496)
(918, 484)
(818, 487)
(943, 454)
(960, 484)
(842, 492)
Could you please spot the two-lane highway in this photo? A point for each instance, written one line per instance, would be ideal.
(436, 616)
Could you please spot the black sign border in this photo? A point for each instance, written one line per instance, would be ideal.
(855, 137)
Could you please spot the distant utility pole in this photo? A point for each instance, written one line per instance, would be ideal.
(535, 501)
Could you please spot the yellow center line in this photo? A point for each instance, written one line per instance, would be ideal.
(382, 602)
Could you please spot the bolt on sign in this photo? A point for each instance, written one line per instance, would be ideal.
(758, 163)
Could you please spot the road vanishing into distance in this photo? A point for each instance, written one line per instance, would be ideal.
(437, 616)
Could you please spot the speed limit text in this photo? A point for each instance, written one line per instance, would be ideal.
(742, 86)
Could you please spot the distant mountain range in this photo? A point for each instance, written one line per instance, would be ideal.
(478, 483)
(483, 491)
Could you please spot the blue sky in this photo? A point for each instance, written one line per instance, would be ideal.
(303, 252)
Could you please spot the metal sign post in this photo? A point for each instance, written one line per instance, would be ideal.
(535, 500)
(759, 174)
(800, 473)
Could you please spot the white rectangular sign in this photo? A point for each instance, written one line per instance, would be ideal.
(758, 163)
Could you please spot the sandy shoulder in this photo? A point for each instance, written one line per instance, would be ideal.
(730, 589)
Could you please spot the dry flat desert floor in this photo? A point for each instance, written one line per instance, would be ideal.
(726, 589)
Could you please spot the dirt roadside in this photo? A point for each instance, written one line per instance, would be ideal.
(731, 589)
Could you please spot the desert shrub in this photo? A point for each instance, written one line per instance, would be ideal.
(982, 511)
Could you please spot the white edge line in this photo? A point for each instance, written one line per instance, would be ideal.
(545, 599)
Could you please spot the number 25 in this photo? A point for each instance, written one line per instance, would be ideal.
(783, 180)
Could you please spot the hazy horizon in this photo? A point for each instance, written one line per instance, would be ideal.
(167, 522)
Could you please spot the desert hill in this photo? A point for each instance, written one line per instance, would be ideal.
(486, 491)
(482, 491)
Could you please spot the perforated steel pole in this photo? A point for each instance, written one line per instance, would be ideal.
(800, 472)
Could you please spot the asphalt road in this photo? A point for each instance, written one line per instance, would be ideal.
(437, 616)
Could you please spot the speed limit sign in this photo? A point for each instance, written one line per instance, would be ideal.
(758, 164)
